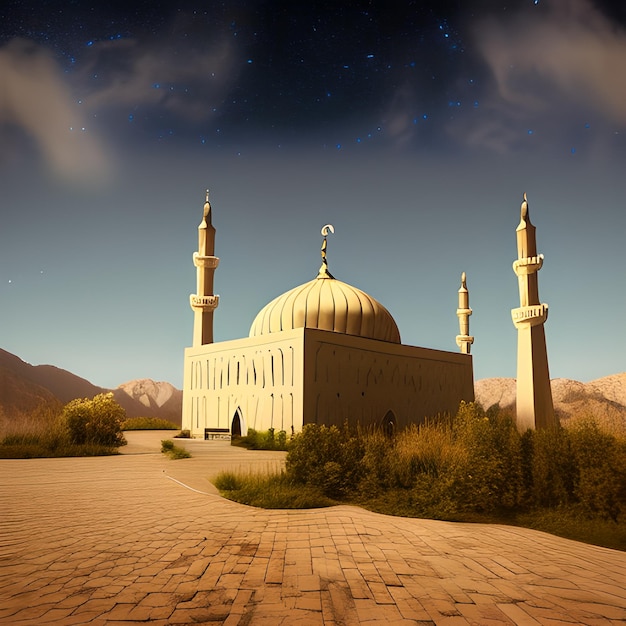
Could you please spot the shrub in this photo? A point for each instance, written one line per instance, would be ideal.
(326, 457)
(425, 449)
(148, 423)
(376, 464)
(262, 440)
(552, 469)
(167, 445)
(486, 474)
(173, 451)
(600, 479)
(97, 421)
(270, 491)
(474, 467)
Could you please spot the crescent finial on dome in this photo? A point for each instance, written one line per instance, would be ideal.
(323, 272)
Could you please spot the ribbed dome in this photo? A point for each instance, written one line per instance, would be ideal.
(327, 304)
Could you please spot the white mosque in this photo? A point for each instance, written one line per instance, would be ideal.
(324, 352)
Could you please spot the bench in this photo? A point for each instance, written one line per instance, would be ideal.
(216, 433)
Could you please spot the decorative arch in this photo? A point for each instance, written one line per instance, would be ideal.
(236, 424)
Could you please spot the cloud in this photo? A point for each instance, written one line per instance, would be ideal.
(40, 101)
(36, 100)
(188, 82)
(553, 66)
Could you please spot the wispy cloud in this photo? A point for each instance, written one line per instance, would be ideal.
(67, 115)
(185, 81)
(36, 100)
(552, 68)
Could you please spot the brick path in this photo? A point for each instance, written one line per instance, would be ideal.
(116, 541)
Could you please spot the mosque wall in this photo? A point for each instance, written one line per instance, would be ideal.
(360, 380)
(286, 379)
(259, 379)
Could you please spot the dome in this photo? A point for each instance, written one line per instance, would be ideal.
(327, 304)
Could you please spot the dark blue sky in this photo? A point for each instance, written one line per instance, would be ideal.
(413, 127)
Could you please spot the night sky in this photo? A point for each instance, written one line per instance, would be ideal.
(413, 127)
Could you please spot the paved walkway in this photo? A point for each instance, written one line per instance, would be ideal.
(117, 540)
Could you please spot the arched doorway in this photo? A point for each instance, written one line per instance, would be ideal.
(388, 424)
(235, 426)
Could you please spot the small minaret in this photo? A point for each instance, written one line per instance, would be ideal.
(534, 396)
(464, 341)
(204, 302)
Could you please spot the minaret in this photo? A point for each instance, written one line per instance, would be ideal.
(204, 302)
(463, 340)
(534, 396)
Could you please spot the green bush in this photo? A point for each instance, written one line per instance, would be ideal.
(262, 440)
(270, 491)
(326, 457)
(600, 479)
(552, 468)
(96, 422)
(81, 428)
(148, 423)
(486, 474)
(474, 467)
(476, 463)
(376, 464)
(173, 451)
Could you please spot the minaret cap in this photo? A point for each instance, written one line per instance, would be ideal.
(207, 208)
(463, 282)
(524, 214)
(323, 272)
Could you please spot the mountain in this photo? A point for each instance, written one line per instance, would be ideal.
(24, 387)
(604, 398)
(160, 398)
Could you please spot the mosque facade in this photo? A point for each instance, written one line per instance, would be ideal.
(324, 352)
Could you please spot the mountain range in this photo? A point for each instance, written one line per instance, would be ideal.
(24, 387)
(604, 398)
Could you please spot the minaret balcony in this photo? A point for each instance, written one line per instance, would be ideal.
(203, 303)
(209, 262)
(529, 265)
(532, 315)
(464, 340)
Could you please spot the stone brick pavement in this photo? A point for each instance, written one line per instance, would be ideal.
(120, 540)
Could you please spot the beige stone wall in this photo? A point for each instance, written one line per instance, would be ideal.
(260, 376)
(285, 379)
(360, 380)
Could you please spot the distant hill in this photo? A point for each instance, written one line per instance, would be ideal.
(161, 398)
(604, 398)
(24, 387)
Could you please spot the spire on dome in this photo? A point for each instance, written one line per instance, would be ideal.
(323, 272)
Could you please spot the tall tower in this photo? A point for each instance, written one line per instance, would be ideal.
(534, 396)
(204, 302)
(463, 340)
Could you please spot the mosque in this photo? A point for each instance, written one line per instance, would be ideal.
(324, 352)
